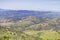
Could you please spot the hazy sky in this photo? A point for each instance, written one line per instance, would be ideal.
(41, 5)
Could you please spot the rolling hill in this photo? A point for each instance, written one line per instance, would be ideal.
(29, 25)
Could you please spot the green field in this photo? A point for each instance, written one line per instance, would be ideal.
(30, 28)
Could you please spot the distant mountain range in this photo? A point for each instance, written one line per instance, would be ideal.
(23, 13)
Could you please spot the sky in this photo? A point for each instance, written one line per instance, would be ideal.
(40, 5)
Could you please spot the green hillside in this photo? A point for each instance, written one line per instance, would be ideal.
(30, 28)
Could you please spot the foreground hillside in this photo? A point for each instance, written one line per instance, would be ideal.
(30, 28)
(29, 25)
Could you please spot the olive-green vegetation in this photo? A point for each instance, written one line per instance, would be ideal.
(30, 28)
